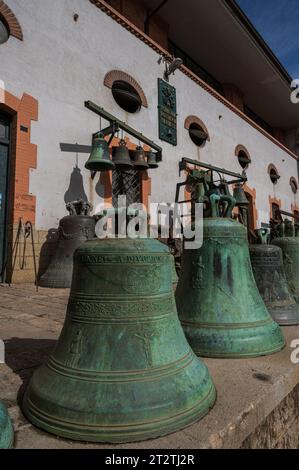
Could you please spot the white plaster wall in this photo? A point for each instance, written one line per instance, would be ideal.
(62, 64)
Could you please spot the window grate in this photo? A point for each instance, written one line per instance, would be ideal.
(126, 183)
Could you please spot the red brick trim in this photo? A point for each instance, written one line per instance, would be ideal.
(294, 208)
(194, 119)
(23, 154)
(160, 50)
(252, 193)
(10, 19)
(114, 75)
(273, 200)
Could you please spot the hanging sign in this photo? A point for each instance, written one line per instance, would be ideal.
(167, 112)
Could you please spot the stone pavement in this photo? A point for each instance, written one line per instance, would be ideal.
(257, 403)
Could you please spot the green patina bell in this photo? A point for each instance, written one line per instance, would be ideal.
(268, 270)
(99, 159)
(219, 305)
(138, 158)
(121, 157)
(288, 240)
(122, 369)
(152, 160)
(6, 429)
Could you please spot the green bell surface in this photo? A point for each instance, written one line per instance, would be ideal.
(269, 274)
(6, 429)
(290, 250)
(122, 369)
(219, 305)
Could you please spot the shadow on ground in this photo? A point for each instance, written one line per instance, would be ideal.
(24, 355)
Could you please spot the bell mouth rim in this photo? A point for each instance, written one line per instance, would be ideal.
(141, 166)
(103, 167)
(117, 434)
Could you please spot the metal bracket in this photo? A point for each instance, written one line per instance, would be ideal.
(289, 214)
(238, 177)
(198, 175)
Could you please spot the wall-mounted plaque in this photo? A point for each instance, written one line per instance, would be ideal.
(167, 112)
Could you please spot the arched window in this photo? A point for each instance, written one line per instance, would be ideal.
(126, 96)
(243, 156)
(273, 173)
(4, 33)
(9, 25)
(294, 185)
(127, 93)
(198, 132)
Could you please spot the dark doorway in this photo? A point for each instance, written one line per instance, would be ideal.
(4, 160)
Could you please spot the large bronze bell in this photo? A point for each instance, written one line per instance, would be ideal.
(99, 159)
(121, 157)
(138, 157)
(122, 369)
(288, 240)
(6, 429)
(219, 305)
(73, 230)
(268, 270)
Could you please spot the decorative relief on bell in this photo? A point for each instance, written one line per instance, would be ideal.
(93, 309)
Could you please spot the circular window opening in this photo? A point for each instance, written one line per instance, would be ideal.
(294, 185)
(4, 34)
(197, 134)
(274, 176)
(243, 159)
(126, 96)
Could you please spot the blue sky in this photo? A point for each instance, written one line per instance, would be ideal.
(278, 23)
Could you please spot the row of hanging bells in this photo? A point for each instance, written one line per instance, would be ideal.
(122, 158)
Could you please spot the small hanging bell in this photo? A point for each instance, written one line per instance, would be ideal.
(240, 196)
(138, 157)
(99, 159)
(121, 157)
(152, 160)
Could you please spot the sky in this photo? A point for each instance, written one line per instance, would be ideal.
(278, 23)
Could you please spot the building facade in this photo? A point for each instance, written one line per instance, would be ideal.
(55, 55)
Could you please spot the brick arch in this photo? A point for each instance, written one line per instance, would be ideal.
(114, 75)
(11, 21)
(195, 120)
(241, 148)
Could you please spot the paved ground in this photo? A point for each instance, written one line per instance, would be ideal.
(248, 390)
